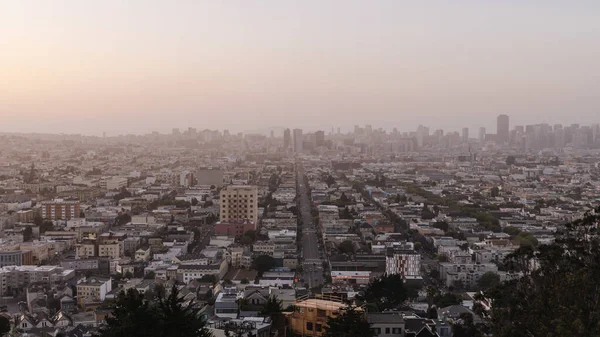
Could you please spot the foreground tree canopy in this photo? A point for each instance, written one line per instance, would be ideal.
(168, 316)
(559, 293)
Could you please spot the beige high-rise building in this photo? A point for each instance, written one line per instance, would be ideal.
(239, 203)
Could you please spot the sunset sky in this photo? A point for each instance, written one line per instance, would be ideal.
(128, 66)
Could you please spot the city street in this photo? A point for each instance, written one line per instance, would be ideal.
(311, 260)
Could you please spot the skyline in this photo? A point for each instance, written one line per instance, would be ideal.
(132, 67)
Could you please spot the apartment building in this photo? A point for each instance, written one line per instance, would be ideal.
(310, 316)
(405, 262)
(15, 258)
(110, 248)
(60, 209)
(238, 203)
(12, 278)
(93, 289)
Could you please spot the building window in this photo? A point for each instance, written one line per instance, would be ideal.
(309, 326)
(318, 327)
(387, 331)
(396, 330)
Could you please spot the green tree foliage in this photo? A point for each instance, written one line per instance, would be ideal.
(46, 225)
(488, 280)
(27, 234)
(209, 278)
(346, 247)
(558, 294)
(350, 323)
(263, 263)
(150, 276)
(272, 306)
(447, 299)
(494, 192)
(251, 234)
(4, 325)
(443, 225)
(511, 160)
(464, 327)
(386, 293)
(169, 316)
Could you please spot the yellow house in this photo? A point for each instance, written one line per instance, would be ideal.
(310, 317)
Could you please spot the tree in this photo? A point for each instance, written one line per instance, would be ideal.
(194, 202)
(263, 263)
(346, 247)
(511, 160)
(386, 293)
(488, 280)
(245, 240)
(495, 191)
(27, 234)
(344, 198)
(46, 225)
(272, 306)
(131, 316)
(179, 320)
(442, 258)
(134, 316)
(209, 278)
(128, 275)
(150, 276)
(244, 281)
(443, 225)
(464, 327)
(4, 325)
(556, 296)
(350, 323)
(251, 234)
(418, 246)
(447, 299)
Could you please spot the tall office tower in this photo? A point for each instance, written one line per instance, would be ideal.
(298, 140)
(287, 138)
(465, 135)
(559, 137)
(320, 138)
(272, 134)
(339, 131)
(482, 134)
(239, 203)
(502, 129)
(595, 133)
(368, 129)
(422, 133)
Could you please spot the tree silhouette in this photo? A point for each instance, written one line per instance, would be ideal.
(558, 294)
(4, 325)
(386, 293)
(350, 323)
(170, 316)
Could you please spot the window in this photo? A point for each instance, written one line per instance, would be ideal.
(387, 331)
(397, 330)
(377, 331)
(318, 327)
(309, 326)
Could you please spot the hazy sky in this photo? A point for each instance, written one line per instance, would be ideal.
(137, 66)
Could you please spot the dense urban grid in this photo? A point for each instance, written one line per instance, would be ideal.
(367, 233)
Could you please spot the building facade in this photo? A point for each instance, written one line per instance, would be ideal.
(60, 209)
(239, 203)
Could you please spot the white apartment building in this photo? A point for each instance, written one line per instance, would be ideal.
(407, 263)
(93, 289)
(468, 274)
(113, 183)
(110, 248)
(238, 203)
(264, 247)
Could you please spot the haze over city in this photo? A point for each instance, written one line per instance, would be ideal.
(122, 67)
